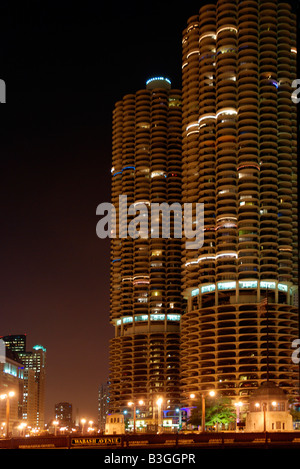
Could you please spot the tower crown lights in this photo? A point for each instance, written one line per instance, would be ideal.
(158, 82)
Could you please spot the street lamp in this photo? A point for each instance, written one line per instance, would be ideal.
(140, 402)
(264, 408)
(7, 396)
(192, 396)
(22, 427)
(91, 423)
(83, 421)
(55, 423)
(3, 428)
(178, 410)
(159, 403)
(238, 406)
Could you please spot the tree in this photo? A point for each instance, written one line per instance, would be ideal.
(295, 414)
(220, 412)
(217, 411)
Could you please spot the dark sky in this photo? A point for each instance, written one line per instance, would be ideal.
(65, 64)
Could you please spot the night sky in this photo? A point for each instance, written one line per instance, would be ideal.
(65, 64)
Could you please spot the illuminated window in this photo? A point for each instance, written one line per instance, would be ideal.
(265, 284)
(157, 173)
(142, 317)
(156, 293)
(157, 317)
(226, 285)
(248, 284)
(156, 253)
(127, 320)
(208, 288)
(173, 317)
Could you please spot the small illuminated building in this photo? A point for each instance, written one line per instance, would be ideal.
(115, 424)
(268, 410)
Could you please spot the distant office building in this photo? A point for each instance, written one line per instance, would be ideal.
(30, 398)
(15, 343)
(36, 360)
(103, 405)
(64, 414)
(34, 378)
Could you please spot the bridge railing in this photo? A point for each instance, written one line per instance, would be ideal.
(149, 440)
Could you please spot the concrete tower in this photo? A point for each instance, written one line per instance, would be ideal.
(145, 272)
(240, 160)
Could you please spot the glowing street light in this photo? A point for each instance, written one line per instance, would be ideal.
(22, 427)
(55, 423)
(133, 404)
(159, 413)
(264, 408)
(238, 406)
(91, 423)
(83, 421)
(178, 410)
(3, 397)
(211, 394)
(2, 428)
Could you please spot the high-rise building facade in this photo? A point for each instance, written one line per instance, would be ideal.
(64, 414)
(103, 405)
(36, 360)
(240, 160)
(146, 271)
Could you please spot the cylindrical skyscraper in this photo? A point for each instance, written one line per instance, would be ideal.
(240, 160)
(145, 272)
